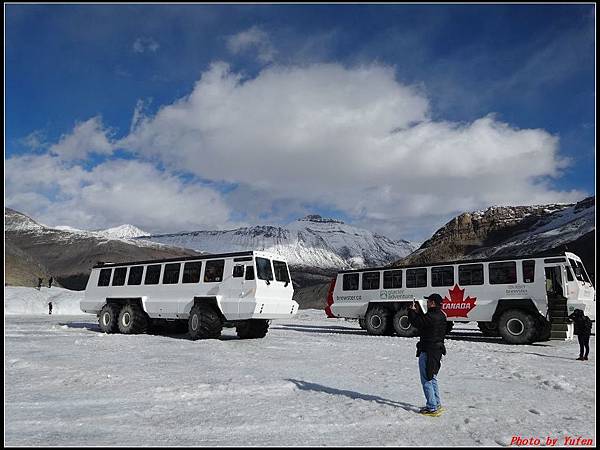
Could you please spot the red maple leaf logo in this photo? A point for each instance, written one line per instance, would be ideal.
(457, 305)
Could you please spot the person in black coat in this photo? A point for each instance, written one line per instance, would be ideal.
(430, 348)
(583, 330)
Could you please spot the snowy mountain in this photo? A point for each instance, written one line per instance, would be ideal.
(35, 250)
(313, 241)
(514, 231)
(69, 229)
(126, 231)
(16, 221)
(562, 226)
(122, 232)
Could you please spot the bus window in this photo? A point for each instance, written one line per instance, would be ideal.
(371, 280)
(416, 278)
(576, 269)
(104, 278)
(470, 274)
(281, 271)
(392, 279)
(503, 272)
(152, 274)
(583, 272)
(238, 271)
(569, 274)
(528, 271)
(119, 276)
(350, 282)
(191, 272)
(213, 271)
(263, 269)
(171, 275)
(442, 276)
(135, 275)
(249, 273)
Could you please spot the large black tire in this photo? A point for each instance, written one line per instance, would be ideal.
(378, 321)
(252, 329)
(517, 327)
(132, 319)
(362, 324)
(489, 329)
(204, 322)
(108, 318)
(402, 326)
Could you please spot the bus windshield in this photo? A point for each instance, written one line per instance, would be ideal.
(576, 270)
(583, 272)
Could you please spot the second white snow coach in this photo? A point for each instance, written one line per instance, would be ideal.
(520, 299)
(204, 293)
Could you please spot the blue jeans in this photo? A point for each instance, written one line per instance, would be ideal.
(430, 387)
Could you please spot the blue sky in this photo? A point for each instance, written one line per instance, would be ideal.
(530, 68)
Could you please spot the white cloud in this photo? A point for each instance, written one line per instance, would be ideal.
(34, 140)
(145, 44)
(87, 137)
(252, 38)
(353, 139)
(115, 192)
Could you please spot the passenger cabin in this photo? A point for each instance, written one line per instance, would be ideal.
(476, 290)
(243, 285)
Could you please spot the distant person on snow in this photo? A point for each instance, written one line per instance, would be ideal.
(430, 348)
(40, 281)
(583, 330)
(50, 280)
(50, 308)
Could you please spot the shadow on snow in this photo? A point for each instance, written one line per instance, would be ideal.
(307, 386)
(455, 335)
(154, 331)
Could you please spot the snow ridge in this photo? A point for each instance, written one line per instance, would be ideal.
(126, 231)
(311, 241)
(563, 225)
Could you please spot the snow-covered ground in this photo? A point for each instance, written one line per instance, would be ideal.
(26, 300)
(311, 381)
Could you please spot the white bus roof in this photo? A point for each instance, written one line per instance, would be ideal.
(244, 255)
(466, 261)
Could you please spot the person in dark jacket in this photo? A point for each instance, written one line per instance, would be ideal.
(50, 280)
(40, 281)
(50, 308)
(430, 348)
(583, 330)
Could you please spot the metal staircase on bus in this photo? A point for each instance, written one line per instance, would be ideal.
(562, 328)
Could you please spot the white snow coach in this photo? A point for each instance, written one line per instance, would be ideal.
(205, 293)
(520, 299)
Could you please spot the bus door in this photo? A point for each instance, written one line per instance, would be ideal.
(248, 291)
(554, 282)
(555, 291)
(236, 285)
